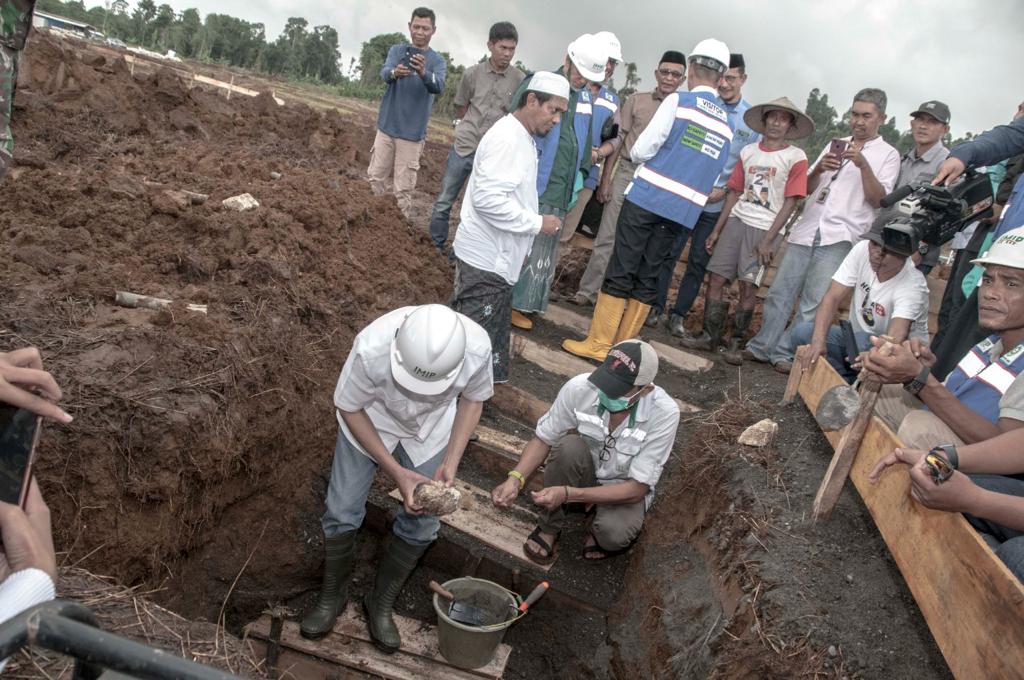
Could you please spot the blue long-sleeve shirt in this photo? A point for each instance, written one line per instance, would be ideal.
(997, 144)
(405, 108)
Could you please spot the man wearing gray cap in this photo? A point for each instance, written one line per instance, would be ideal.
(928, 124)
(609, 433)
(501, 216)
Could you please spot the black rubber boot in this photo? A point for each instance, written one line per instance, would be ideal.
(714, 322)
(740, 323)
(339, 556)
(395, 566)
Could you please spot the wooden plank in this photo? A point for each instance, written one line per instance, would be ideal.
(562, 316)
(684, 361)
(972, 603)
(518, 404)
(501, 529)
(796, 374)
(349, 644)
(553, 361)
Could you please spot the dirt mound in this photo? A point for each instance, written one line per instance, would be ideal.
(198, 440)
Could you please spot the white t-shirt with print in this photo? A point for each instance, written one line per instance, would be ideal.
(876, 303)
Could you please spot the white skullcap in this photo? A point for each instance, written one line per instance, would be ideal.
(549, 83)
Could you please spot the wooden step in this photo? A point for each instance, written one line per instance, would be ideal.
(502, 529)
(567, 318)
(349, 645)
(684, 361)
(972, 603)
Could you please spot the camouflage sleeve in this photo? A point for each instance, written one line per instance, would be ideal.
(15, 22)
(8, 64)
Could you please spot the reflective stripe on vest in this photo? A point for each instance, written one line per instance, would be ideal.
(605, 105)
(584, 109)
(669, 184)
(610, 105)
(979, 383)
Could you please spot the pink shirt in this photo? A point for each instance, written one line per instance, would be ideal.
(846, 214)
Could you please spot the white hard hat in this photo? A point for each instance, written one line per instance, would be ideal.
(614, 46)
(1008, 250)
(428, 350)
(590, 55)
(713, 50)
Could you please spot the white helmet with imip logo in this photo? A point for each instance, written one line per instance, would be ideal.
(590, 55)
(711, 53)
(428, 350)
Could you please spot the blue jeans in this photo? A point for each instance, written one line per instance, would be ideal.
(351, 477)
(805, 274)
(835, 344)
(1008, 543)
(696, 265)
(456, 172)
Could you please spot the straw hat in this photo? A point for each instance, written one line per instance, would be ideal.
(754, 118)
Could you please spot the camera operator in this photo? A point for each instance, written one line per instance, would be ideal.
(958, 329)
(928, 124)
(28, 563)
(890, 297)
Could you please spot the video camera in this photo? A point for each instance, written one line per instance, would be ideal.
(935, 213)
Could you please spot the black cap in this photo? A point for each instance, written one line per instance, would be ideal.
(736, 60)
(628, 364)
(936, 109)
(673, 57)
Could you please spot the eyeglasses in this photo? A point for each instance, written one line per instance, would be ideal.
(606, 450)
(732, 80)
(669, 73)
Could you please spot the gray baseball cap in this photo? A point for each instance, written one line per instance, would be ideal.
(936, 109)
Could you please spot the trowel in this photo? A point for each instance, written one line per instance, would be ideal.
(462, 612)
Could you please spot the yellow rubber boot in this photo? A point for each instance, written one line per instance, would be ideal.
(607, 316)
(520, 320)
(632, 320)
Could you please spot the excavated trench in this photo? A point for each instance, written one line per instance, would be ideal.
(197, 463)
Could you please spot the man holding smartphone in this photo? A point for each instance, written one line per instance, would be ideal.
(414, 73)
(408, 399)
(846, 185)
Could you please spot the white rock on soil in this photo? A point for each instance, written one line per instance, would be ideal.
(437, 499)
(760, 433)
(240, 202)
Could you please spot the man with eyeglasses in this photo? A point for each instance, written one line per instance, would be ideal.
(730, 91)
(632, 118)
(609, 433)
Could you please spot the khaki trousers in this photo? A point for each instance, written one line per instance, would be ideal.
(593, 276)
(398, 157)
(915, 427)
(570, 463)
(572, 219)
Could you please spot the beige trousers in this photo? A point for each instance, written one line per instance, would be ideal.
(915, 427)
(572, 220)
(399, 157)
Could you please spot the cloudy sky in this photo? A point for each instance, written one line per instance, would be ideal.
(961, 52)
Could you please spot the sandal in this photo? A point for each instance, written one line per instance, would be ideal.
(533, 555)
(593, 552)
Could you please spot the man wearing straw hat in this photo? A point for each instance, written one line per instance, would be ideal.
(765, 185)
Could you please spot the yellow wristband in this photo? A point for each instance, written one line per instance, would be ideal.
(518, 475)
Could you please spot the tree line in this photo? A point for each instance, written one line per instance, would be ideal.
(312, 54)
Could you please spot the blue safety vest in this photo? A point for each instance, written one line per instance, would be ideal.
(675, 183)
(1013, 213)
(605, 105)
(979, 383)
(548, 145)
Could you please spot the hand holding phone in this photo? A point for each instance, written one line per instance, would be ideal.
(25, 384)
(838, 147)
(27, 536)
(19, 435)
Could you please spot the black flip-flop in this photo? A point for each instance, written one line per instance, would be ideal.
(549, 549)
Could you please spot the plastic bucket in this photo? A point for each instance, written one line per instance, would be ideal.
(474, 646)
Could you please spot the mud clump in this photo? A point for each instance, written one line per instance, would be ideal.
(436, 498)
(199, 440)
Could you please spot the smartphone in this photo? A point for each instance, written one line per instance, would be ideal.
(410, 52)
(19, 434)
(838, 147)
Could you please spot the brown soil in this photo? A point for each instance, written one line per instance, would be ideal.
(198, 439)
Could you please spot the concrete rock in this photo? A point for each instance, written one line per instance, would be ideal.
(240, 203)
(437, 499)
(760, 433)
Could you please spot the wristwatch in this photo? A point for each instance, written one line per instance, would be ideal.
(917, 384)
(949, 452)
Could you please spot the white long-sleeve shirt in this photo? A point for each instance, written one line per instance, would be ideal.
(657, 131)
(500, 213)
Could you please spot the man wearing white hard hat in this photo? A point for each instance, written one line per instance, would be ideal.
(682, 151)
(500, 214)
(603, 129)
(984, 395)
(564, 153)
(408, 399)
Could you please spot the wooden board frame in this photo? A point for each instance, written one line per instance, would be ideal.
(972, 603)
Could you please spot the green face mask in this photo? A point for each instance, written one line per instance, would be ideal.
(613, 405)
